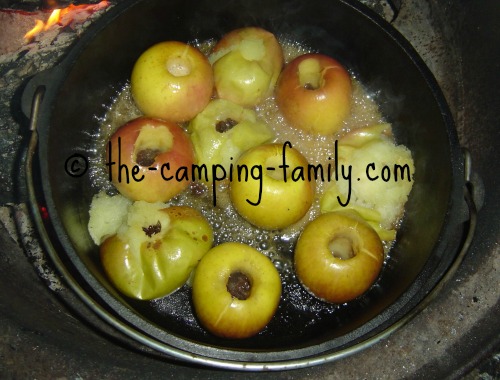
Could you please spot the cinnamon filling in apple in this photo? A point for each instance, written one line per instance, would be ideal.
(225, 125)
(152, 229)
(342, 248)
(179, 66)
(310, 74)
(238, 285)
(151, 142)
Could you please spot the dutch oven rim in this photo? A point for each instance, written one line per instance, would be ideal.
(392, 319)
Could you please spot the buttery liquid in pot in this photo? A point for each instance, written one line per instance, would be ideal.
(297, 306)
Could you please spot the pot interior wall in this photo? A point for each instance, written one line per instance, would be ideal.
(101, 64)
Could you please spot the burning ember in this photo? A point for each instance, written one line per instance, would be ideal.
(65, 17)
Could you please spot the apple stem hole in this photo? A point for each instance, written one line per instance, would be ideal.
(341, 248)
(238, 285)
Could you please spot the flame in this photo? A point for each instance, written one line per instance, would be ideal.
(37, 29)
(64, 17)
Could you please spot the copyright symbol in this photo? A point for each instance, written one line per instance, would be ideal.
(76, 165)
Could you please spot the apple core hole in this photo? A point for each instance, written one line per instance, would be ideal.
(152, 229)
(342, 248)
(239, 285)
(151, 142)
(274, 162)
(147, 157)
(179, 66)
(310, 74)
(225, 125)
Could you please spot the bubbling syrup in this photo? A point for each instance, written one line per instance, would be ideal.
(227, 225)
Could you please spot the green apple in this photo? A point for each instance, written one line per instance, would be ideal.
(172, 81)
(155, 250)
(236, 291)
(246, 64)
(275, 194)
(314, 93)
(224, 130)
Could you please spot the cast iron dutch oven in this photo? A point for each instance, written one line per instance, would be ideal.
(67, 103)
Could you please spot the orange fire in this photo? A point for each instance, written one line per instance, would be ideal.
(64, 17)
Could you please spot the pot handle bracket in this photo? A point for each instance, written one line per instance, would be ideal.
(39, 92)
(387, 9)
(469, 231)
(35, 91)
(470, 228)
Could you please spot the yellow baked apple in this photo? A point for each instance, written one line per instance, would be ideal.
(155, 249)
(172, 81)
(384, 174)
(224, 130)
(338, 256)
(246, 64)
(236, 291)
(277, 192)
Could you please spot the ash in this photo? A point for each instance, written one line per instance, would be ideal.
(19, 61)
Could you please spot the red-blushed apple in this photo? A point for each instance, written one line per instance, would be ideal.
(314, 93)
(236, 291)
(145, 157)
(246, 63)
(172, 81)
(277, 191)
(224, 130)
(155, 250)
(338, 256)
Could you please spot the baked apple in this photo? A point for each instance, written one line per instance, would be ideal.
(384, 177)
(330, 202)
(172, 81)
(276, 195)
(223, 130)
(360, 136)
(155, 250)
(246, 64)
(314, 93)
(144, 156)
(338, 256)
(236, 291)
